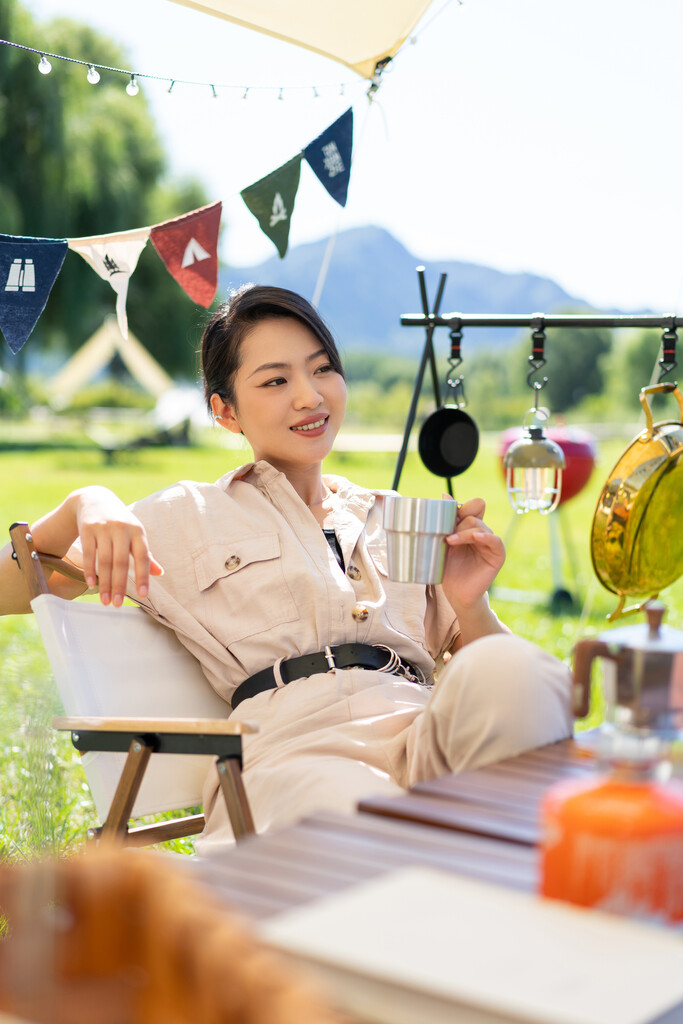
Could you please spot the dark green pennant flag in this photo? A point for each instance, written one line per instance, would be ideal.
(271, 200)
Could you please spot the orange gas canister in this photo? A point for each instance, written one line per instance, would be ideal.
(616, 842)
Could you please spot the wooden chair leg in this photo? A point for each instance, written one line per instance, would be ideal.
(116, 825)
(234, 794)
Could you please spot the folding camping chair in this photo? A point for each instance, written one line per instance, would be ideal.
(130, 689)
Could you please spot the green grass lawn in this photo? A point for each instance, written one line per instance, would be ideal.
(45, 804)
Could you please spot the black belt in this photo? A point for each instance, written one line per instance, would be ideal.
(341, 656)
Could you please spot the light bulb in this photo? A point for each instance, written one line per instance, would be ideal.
(132, 88)
(44, 67)
(93, 75)
(534, 490)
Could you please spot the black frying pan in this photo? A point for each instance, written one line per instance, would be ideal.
(448, 441)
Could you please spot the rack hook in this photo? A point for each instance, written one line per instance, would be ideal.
(669, 338)
(537, 357)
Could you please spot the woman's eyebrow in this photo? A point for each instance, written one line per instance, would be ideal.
(286, 366)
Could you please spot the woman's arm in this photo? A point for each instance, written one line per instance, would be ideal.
(110, 534)
(474, 558)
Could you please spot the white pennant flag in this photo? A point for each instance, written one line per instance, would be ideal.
(114, 258)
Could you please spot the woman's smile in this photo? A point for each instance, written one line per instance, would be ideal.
(311, 427)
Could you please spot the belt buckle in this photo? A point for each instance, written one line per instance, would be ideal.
(329, 658)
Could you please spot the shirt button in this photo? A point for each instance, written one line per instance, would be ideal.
(353, 573)
(359, 613)
(232, 562)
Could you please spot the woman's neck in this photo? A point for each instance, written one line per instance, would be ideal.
(309, 485)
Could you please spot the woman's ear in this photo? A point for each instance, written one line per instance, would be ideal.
(224, 414)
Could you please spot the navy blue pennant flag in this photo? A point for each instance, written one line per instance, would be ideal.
(330, 156)
(28, 269)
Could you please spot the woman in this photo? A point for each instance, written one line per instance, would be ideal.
(299, 627)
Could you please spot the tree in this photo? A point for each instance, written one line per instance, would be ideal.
(81, 160)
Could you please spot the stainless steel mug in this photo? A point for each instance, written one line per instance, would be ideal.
(416, 529)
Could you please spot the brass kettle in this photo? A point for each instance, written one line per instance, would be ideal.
(644, 674)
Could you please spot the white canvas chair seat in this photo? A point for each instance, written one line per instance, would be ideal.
(117, 663)
(120, 673)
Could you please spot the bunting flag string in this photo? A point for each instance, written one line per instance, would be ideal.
(114, 258)
(189, 248)
(187, 245)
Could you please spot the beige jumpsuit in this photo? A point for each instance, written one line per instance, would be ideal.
(250, 579)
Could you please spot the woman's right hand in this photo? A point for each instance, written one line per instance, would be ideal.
(110, 535)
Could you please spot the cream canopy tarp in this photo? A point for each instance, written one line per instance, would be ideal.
(357, 33)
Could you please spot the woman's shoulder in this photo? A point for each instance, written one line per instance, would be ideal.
(186, 495)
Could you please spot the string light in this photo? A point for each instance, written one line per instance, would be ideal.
(132, 88)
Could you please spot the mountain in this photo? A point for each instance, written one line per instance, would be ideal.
(372, 281)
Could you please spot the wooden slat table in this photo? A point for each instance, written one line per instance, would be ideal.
(487, 828)
(326, 853)
(501, 801)
(483, 824)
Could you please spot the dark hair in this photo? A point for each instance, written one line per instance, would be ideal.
(232, 322)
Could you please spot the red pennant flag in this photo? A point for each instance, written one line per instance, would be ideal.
(188, 245)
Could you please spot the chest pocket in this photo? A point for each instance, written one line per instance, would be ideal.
(406, 603)
(242, 585)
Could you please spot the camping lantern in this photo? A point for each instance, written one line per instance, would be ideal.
(534, 466)
(578, 446)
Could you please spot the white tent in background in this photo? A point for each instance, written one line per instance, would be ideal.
(97, 353)
(358, 33)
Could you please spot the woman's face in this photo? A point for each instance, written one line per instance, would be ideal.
(290, 402)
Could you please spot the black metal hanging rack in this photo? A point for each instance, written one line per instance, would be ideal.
(429, 321)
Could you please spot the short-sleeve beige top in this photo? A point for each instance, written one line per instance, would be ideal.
(250, 577)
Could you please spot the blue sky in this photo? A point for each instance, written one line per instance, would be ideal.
(536, 136)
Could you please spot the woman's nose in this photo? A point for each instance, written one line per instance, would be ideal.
(307, 396)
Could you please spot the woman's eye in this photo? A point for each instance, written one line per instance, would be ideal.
(325, 368)
(274, 382)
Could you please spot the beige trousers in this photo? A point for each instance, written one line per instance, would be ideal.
(328, 740)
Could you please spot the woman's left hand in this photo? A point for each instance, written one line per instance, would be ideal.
(474, 558)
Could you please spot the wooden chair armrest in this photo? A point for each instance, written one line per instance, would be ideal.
(63, 566)
(31, 561)
(203, 726)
